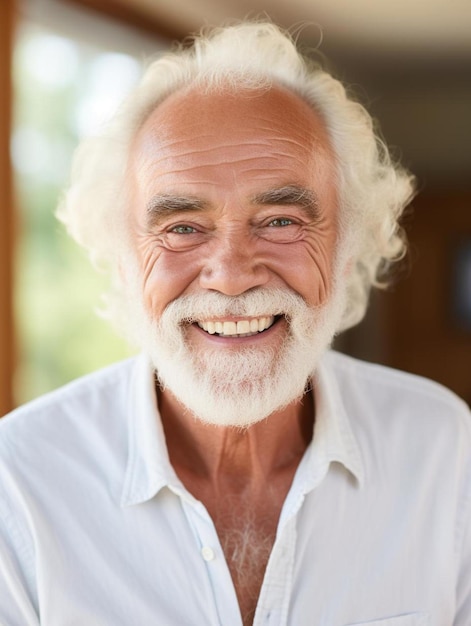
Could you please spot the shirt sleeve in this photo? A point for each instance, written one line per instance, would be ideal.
(463, 591)
(16, 597)
(463, 604)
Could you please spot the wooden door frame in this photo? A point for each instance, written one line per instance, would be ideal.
(6, 211)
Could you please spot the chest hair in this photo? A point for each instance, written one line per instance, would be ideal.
(247, 536)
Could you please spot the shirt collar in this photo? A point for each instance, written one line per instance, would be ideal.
(333, 439)
(149, 469)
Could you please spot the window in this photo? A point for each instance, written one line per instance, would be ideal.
(64, 90)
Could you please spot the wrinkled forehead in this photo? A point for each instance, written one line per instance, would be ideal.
(234, 114)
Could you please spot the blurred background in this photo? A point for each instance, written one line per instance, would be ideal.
(66, 64)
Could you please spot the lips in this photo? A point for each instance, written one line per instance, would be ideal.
(241, 328)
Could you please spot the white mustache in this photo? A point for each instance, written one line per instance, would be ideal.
(257, 303)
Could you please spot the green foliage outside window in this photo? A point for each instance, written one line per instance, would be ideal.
(63, 90)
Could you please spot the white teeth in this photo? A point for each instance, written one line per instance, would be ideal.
(229, 328)
(242, 328)
(254, 326)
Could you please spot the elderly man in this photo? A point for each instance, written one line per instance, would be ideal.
(238, 472)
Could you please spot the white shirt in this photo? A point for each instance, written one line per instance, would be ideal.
(96, 528)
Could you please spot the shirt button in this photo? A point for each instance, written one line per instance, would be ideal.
(207, 553)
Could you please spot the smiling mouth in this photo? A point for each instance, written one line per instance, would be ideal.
(241, 328)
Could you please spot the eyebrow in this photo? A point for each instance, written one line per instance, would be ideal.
(295, 195)
(163, 205)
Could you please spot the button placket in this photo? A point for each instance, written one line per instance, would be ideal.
(272, 609)
(207, 553)
(223, 592)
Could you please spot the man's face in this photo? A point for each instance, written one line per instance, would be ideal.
(234, 194)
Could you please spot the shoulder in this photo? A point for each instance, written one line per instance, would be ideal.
(410, 430)
(69, 409)
(396, 387)
(397, 404)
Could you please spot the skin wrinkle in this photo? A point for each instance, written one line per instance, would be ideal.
(160, 164)
(152, 255)
(319, 226)
(259, 119)
(224, 146)
(221, 150)
(324, 255)
(165, 205)
(168, 141)
(189, 128)
(228, 450)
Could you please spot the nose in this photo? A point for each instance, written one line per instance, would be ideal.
(233, 267)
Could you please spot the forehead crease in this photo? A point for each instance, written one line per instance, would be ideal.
(211, 156)
(216, 135)
(242, 134)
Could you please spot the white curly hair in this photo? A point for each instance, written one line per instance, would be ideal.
(373, 190)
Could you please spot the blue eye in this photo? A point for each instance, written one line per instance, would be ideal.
(280, 221)
(182, 229)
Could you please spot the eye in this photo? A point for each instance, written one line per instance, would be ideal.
(281, 229)
(280, 221)
(183, 229)
(183, 236)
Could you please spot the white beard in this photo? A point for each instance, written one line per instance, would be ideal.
(239, 386)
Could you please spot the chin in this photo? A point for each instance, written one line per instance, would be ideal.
(240, 388)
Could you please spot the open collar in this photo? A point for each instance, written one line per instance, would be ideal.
(149, 468)
(333, 439)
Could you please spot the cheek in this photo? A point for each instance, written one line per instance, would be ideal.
(307, 268)
(166, 276)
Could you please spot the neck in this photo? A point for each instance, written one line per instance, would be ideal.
(242, 477)
(243, 457)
